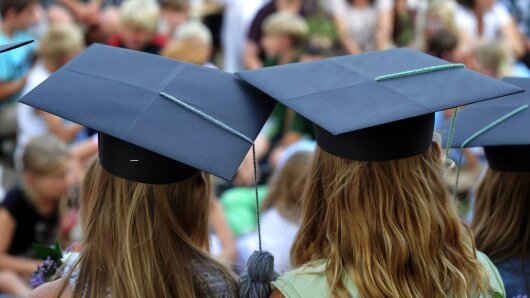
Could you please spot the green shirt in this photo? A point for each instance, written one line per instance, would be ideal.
(310, 281)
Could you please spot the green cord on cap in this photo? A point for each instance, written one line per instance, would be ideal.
(451, 134)
(418, 71)
(479, 133)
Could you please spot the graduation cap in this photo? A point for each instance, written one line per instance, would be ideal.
(501, 126)
(375, 106)
(12, 46)
(159, 120)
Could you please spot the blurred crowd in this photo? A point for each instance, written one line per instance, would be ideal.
(43, 158)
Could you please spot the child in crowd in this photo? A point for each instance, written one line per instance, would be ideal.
(173, 14)
(30, 212)
(58, 45)
(17, 16)
(284, 37)
(138, 30)
(282, 213)
(192, 43)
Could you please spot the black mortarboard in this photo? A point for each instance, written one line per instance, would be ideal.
(159, 119)
(12, 46)
(506, 142)
(375, 106)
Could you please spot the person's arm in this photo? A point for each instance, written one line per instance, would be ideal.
(511, 35)
(345, 39)
(8, 89)
(57, 128)
(251, 55)
(384, 29)
(221, 228)
(51, 290)
(245, 173)
(8, 262)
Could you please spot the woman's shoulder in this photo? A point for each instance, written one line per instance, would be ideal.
(496, 284)
(307, 281)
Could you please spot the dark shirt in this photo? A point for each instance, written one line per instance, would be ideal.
(515, 274)
(31, 227)
(153, 47)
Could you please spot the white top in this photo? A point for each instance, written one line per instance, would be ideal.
(30, 124)
(277, 237)
(361, 23)
(494, 20)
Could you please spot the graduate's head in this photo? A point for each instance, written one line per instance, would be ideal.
(287, 185)
(21, 14)
(139, 20)
(191, 43)
(174, 13)
(45, 165)
(374, 218)
(59, 44)
(375, 204)
(283, 32)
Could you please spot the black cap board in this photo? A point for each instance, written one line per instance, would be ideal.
(375, 106)
(160, 120)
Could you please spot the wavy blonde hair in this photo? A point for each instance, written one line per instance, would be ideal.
(144, 240)
(501, 221)
(390, 226)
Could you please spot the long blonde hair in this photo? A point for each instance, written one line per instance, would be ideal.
(144, 240)
(501, 221)
(287, 186)
(390, 226)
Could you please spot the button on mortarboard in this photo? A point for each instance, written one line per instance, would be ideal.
(376, 104)
(141, 99)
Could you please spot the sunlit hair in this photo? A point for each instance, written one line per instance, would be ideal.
(141, 14)
(60, 43)
(390, 226)
(44, 154)
(285, 190)
(284, 23)
(144, 240)
(501, 221)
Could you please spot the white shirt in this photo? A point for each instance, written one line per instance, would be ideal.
(30, 124)
(277, 237)
(494, 20)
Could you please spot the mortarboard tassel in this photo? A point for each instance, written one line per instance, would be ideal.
(256, 280)
(476, 135)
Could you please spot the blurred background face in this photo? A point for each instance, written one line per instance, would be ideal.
(52, 186)
(135, 38)
(27, 17)
(174, 18)
(273, 44)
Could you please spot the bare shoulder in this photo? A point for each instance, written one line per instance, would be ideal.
(276, 294)
(51, 290)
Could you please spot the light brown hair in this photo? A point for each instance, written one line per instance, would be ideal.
(286, 188)
(389, 226)
(44, 154)
(145, 240)
(501, 221)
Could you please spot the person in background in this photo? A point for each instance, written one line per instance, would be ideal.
(59, 44)
(30, 212)
(138, 27)
(17, 16)
(477, 19)
(281, 212)
(253, 54)
(404, 21)
(173, 13)
(363, 25)
(436, 16)
(192, 43)
(501, 225)
(520, 10)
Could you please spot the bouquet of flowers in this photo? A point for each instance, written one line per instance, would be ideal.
(52, 266)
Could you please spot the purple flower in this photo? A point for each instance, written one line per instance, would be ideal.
(45, 272)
